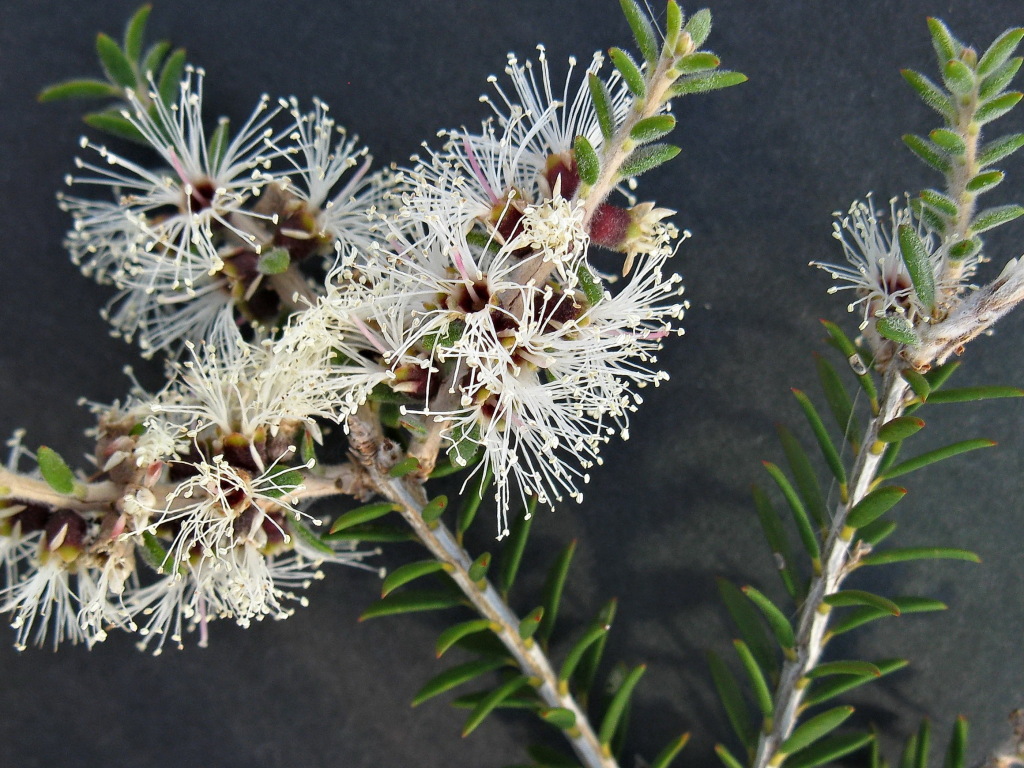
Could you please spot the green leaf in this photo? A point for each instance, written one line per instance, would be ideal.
(815, 728)
(776, 536)
(478, 570)
(859, 668)
(898, 329)
(705, 82)
(946, 46)
(923, 746)
(617, 706)
(301, 531)
(135, 32)
(575, 655)
(858, 364)
(828, 750)
(928, 152)
(643, 159)
(218, 144)
(363, 514)
(512, 554)
(939, 202)
(472, 700)
(154, 553)
(699, 27)
(404, 467)
(972, 394)
(372, 533)
(155, 55)
(983, 182)
(860, 616)
(586, 669)
(115, 64)
(548, 757)
(727, 758)
(877, 532)
(950, 142)
(823, 690)
(996, 83)
(631, 74)
(531, 623)
(602, 105)
(55, 471)
(456, 676)
(964, 249)
(409, 572)
(115, 124)
(553, 587)
(748, 621)
(918, 553)
(673, 26)
(643, 31)
(858, 597)
(652, 128)
(78, 89)
(958, 77)
(1000, 50)
(828, 450)
(803, 474)
(169, 82)
(899, 428)
(995, 108)
(907, 759)
(919, 462)
(919, 265)
(434, 509)
(838, 400)
(560, 717)
(697, 62)
(412, 601)
(587, 163)
(994, 217)
(918, 383)
(803, 523)
(732, 700)
(471, 501)
(999, 149)
(758, 683)
(591, 285)
(453, 634)
(874, 505)
(956, 755)
(492, 700)
(931, 94)
(776, 619)
(668, 754)
(274, 262)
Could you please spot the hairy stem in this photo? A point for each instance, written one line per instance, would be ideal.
(376, 454)
(838, 557)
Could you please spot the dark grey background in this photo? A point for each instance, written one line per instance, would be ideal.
(763, 166)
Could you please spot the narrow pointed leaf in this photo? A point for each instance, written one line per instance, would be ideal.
(472, 701)
(931, 94)
(155, 55)
(434, 508)
(274, 261)
(803, 523)
(409, 572)
(115, 64)
(492, 700)
(946, 45)
(478, 570)
(55, 471)
(907, 758)
(456, 676)
(669, 753)
(300, 530)
(983, 182)
(828, 750)
(956, 755)
(970, 394)
(453, 634)
(899, 428)
(602, 105)
(472, 500)
(587, 163)
(958, 77)
(135, 31)
(673, 25)
(553, 588)
(698, 27)
(857, 597)
(860, 616)
(748, 621)
(412, 601)
(630, 71)
(828, 450)
(803, 474)
(575, 654)
(116, 125)
(923, 746)
(939, 202)
(78, 89)
(531, 622)
(876, 532)
(937, 377)
(857, 363)
(645, 158)
(918, 383)
(586, 670)
(560, 717)
(643, 31)
(758, 682)
(858, 668)
(776, 536)
(593, 290)
(918, 553)
(928, 152)
(823, 690)
(155, 553)
(705, 82)
(697, 62)
(731, 696)
(776, 619)
(897, 328)
(997, 107)
(404, 467)
(512, 554)
(549, 757)
(919, 265)
(838, 400)
(169, 82)
(364, 514)
(999, 149)
(953, 143)
(964, 249)
(652, 128)
(990, 218)
(1000, 50)
(727, 757)
(617, 706)
(814, 729)
(996, 83)
(931, 457)
(372, 533)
